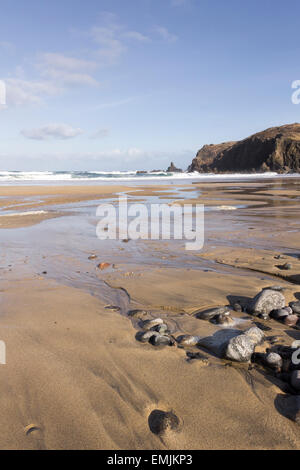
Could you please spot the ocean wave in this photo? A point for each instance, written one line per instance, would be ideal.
(68, 176)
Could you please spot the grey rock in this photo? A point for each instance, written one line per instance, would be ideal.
(266, 301)
(295, 380)
(144, 337)
(237, 307)
(241, 347)
(218, 342)
(188, 340)
(212, 312)
(274, 361)
(295, 306)
(277, 288)
(137, 313)
(256, 334)
(148, 324)
(279, 313)
(161, 340)
(222, 319)
(163, 328)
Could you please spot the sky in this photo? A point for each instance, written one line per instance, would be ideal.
(133, 84)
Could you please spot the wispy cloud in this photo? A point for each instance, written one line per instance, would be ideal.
(165, 34)
(25, 92)
(100, 134)
(67, 70)
(52, 131)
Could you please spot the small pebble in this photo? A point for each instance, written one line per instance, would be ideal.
(279, 313)
(161, 340)
(187, 340)
(287, 266)
(144, 337)
(290, 320)
(160, 422)
(137, 313)
(295, 306)
(148, 324)
(274, 361)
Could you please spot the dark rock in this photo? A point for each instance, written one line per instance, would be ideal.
(160, 422)
(197, 355)
(295, 380)
(237, 307)
(266, 301)
(145, 336)
(279, 314)
(275, 149)
(212, 312)
(287, 266)
(161, 340)
(162, 329)
(295, 306)
(172, 169)
(148, 324)
(262, 326)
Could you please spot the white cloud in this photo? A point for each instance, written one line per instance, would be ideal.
(111, 48)
(52, 131)
(26, 92)
(100, 134)
(136, 36)
(165, 34)
(67, 70)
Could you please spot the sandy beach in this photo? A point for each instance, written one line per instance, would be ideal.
(76, 375)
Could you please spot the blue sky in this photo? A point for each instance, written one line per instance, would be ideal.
(134, 84)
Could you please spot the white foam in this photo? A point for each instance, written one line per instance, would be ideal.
(74, 176)
(15, 214)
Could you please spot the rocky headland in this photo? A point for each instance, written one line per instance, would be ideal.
(275, 149)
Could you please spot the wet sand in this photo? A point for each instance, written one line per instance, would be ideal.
(77, 378)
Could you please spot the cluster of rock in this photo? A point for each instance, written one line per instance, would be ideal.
(275, 149)
(237, 345)
(153, 331)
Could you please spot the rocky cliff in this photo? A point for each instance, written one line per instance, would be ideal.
(275, 149)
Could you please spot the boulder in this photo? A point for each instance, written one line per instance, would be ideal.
(266, 301)
(241, 347)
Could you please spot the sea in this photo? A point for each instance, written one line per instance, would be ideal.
(86, 177)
